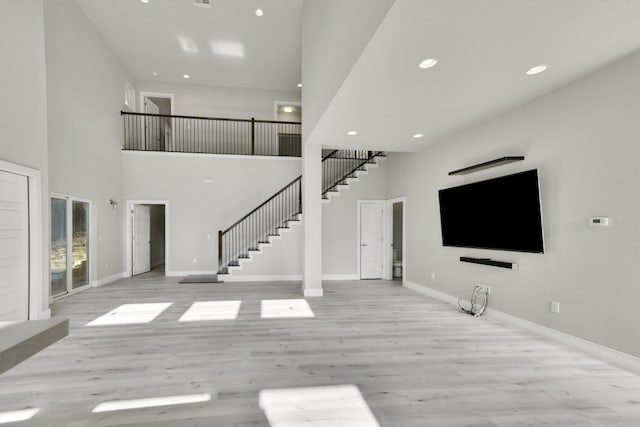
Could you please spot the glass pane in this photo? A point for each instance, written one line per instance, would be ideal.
(80, 244)
(58, 246)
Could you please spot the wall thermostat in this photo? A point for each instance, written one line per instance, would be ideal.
(599, 221)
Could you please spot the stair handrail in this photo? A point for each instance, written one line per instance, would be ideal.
(372, 155)
(224, 119)
(277, 193)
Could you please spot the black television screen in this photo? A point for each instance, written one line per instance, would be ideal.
(501, 213)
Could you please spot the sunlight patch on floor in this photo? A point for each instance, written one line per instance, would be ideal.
(19, 415)
(211, 310)
(131, 314)
(152, 402)
(285, 308)
(328, 406)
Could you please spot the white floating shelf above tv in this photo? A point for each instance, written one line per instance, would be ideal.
(486, 165)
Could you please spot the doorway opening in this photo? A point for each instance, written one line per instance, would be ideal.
(158, 130)
(147, 242)
(396, 245)
(288, 135)
(395, 226)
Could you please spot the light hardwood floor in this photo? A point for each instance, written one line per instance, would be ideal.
(416, 362)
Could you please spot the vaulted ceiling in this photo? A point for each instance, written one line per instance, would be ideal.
(224, 45)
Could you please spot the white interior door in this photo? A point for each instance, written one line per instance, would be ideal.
(141, 239)
(371, 227)
(153, 125)
(14, 247)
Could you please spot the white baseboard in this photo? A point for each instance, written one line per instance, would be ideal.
(430, 292)
(606, 354)
(264, 278)
(312, 292)
(108, 279)
(330, 277)
(285, 277)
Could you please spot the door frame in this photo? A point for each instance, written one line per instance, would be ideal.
(148, 94)
(38, 263)
(277, 104)
(389, 237)
(128, 243)
(383, 205)
(92, 243)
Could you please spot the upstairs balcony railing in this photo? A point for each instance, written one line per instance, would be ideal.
(210, 135)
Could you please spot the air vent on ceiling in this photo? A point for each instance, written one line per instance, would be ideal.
(202, 3)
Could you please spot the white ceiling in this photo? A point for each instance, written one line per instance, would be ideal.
(226, 45)
(483, 50)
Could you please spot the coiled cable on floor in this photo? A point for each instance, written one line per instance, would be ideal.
(479, 301)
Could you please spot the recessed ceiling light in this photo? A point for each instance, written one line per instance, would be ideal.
(352, 132)
(287, 109)
(208, 180)
(155, 73)
(259, 12)
(299, 84)
(428, 63)
(186, 76)
(145, 1)
(418, 135)
(537, 69)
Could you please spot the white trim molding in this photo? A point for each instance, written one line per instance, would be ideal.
(128, 236)
(605, 354)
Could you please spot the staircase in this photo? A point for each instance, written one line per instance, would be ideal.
(277, 215)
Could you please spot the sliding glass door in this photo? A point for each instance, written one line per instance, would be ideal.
(69, 244)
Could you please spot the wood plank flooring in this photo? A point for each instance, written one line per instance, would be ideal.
(416, 362)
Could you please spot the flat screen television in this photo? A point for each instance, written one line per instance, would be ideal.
(501, 213)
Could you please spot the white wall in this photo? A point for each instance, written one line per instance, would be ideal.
(197, 210)
(334, 34)
(583, 139)
(210, 101)
(85, 84)
(23, 112)
(340, 222)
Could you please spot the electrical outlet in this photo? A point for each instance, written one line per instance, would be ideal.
(433, 276)
(484, 288)
(195, 260)
(555, 307)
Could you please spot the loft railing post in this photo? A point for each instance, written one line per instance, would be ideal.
(300, 195)
(219, 248)
(253, 136)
